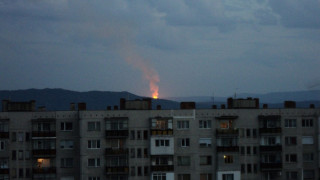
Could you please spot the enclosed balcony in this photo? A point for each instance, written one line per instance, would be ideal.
(162, 163)
(270, 148)
(45, 170)
(4, 129)
(44, 152)
(161, 126)
(4, 135)
(117, 170)
(227, 132)
(44, 147)
(117, 165)
(270, 124)
(270, 166)
(4, 170)
(43, 128)
(117, 127)
(163, 168)
(227, 145)
(271, 161)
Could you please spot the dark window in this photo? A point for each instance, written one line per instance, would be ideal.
(133, 171)
(139, 135)
(248, 150)
(248, 133)
(14, 155)
(14, 136)
(167, 142)
(27, 172)
(242, 150)
(132, 135)
(249, 168)
(254, 150)
(132, 153)
(254, 133)
(146, 170)
(145, 134)
(20, 173)
(27, 136)
(139, 171)
(243, 168)
(255, 168)
(139, 153)
(145, 153)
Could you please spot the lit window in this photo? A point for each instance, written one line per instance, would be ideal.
(228, 159)
(224, 125)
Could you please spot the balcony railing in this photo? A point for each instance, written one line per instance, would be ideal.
(162, 168)
(117, 170)
(227, 148)
(4, 135)
(4, 171)
(43, 134)
(270, 148)
(270, 130)
(44, 152)
(117, 134)
(221, 132)
(117, 152)
(267, 166)
(155, 132)
(47, 170)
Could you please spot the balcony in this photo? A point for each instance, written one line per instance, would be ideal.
(44, 152)
(4, 135)
(227, 148)
(276, 148)
(4, 171)
(47, 170)
(270, 130)
(222, 132)
(162, 168)
(117, 170)
(155, 132)
(271, 166)
(41, 134)
(114, 134)
(117, 152)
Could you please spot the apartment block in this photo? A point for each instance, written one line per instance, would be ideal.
(135, 142)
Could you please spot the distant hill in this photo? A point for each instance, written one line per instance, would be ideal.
(60, 99)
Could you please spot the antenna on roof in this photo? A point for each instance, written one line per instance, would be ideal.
(212, 98)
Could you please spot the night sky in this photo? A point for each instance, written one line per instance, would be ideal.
(183, 47)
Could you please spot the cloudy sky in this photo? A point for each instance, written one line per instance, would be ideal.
(185, 47)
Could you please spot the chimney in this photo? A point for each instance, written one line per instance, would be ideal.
(289, 104)
(108, 107)
(158, 107)
(265, 106)
(82, 106)
(149, 100)
(223, 106)
(72, 107)
(42, 108)
(115, 107)
(230, 103)
(312, 106)
(5, 105)
(122, 103)
(214, 106)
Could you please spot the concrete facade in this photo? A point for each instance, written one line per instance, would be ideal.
(146, 144)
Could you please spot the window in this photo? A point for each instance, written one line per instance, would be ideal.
(93, 144)
(308, 157)
(290, 123)
(27, 136)
(94, 162)
(146, 170)
(248, 131)
(242, 150)
(4, 163)
(228, 159)
(183, 125)
(292, 175)
(254, 150)
(66, 126)
(308, 174)
(205, 176)
(254, 133)
(248, 150)
(243, 168)
(139, 171)
(291, 158)
(20, 155)
(2, 145)
(93, 178)
(184, 177)
(139, 153)
(14, 136)
(132, 153)
(205, 124)
(162, 142)
(66, 162)
(132, 135)
(139, 136)
(184, 142)
(20, 136)
(249, 170)
(145, 135)
(162, 160)
(159, 176)
(224, 125)
(205, 142)
(307, 140)
(66, 144)
(133, 171)
(41, 126)
(307, 122)
(14, 155)
(93, 126)
(4, 127)
(44, 144)
(205, 160)
(28, 173)
(161, 123)
(227, 176)
(20, 173)
(291, 141)
(27, 155)
(255, 168)
(183, 160)
(145, 153)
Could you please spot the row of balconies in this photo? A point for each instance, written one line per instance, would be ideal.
(47, 170)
